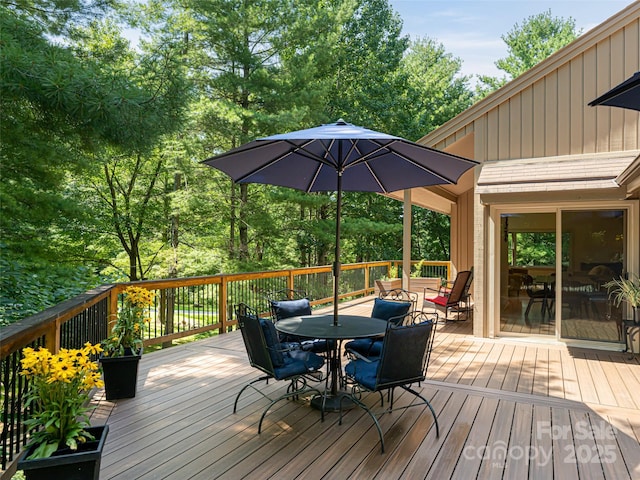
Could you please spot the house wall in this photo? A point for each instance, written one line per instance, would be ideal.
(544, 112)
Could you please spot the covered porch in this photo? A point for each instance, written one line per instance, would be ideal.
(507, 408)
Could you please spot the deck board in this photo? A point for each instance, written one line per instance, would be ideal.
(488, 393)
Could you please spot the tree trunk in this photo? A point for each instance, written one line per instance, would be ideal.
(173, 266)
(322, 249)
(233, 213)
(243, 231)
(133, 261)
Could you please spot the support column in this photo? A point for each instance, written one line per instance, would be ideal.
(406, 240)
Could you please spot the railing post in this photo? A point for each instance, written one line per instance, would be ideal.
(366, 278)
(222, 305)
(290, 281)
(112, 311)
(52, 337)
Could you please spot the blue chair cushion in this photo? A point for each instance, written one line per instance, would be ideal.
(273, 342)
(387, 309)
(291, 308)
(360, 345)
(318, 345)
(363, 372)
(376, 348)
(298, 362)
(369, 347)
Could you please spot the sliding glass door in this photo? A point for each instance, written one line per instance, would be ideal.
(553, 269)
(595, 255)
(528, 264)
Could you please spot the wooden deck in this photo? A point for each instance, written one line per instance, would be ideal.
(507, 409)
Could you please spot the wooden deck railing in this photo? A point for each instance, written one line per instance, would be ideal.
(183, 307)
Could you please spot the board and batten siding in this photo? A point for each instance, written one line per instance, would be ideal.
(544, 113)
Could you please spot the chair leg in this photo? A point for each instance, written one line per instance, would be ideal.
(250, 384)
(526, 312)
(366, 409)
(435, 418)
(299, 391)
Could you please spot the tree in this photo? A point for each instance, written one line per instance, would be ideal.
(433, 93)
(255, 66)
(366, 57)
(114, 180)
(70, 94)
(528, 44)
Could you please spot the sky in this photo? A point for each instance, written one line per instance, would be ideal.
(472, 29)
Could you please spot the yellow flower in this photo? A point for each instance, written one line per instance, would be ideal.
(92, 349)
(58, 393)
(127, 330)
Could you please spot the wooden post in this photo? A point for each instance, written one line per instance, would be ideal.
(366, 278)
(222, 305)
(113, 308)
(52, 337)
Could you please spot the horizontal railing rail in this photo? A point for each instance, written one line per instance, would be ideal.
(182, 307)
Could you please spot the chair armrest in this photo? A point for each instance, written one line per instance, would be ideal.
(432, 290)
(440, 292)
(282, 349)
(354, 354)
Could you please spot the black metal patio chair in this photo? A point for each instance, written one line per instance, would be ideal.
(391, 306)
(403, 361)
(295, 303)
(267, 355)
(541, 294)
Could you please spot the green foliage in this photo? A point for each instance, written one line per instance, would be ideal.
(625, 289)
(534, 248)
(431, 235)
(102, 142)
(65, 105)
(433, 92)
(538, 37)
(27, 288)
(366, 56)
(528, 44)
(416, 270)
(392, 273)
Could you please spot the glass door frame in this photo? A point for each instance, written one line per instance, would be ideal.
(494, 255)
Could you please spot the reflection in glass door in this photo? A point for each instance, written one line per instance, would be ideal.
(527, 273)
(595, 254)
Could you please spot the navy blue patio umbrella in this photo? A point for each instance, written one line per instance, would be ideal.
(340, 157)
(624, 95)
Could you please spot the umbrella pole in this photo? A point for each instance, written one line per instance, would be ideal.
(336, 262)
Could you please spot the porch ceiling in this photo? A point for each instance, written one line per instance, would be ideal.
(440, 198)
(443, 198)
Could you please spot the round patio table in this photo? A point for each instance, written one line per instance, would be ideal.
(322, 326)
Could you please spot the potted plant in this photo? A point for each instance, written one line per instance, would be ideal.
(627, 290)
(418, 283)
(389, 281)
(62, 444)
(123, 348)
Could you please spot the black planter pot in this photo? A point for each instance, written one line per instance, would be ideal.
(120, 376)
(83, 464)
